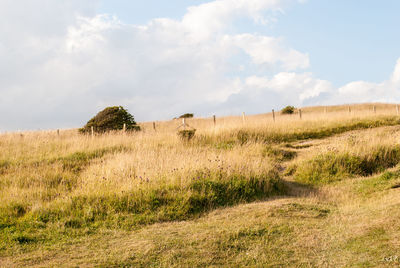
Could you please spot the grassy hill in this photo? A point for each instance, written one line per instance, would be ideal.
(320, 190)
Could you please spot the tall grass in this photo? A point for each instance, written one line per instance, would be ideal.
(57, 185)
(333, 166)
(53, 186)
(352, 156)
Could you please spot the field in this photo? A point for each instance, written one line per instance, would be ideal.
(320, 191)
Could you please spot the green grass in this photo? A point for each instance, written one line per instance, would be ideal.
(130, 210)
(331, 167)
(385, 181)
(77, 161)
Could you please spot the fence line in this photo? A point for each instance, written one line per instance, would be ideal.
(352, 110)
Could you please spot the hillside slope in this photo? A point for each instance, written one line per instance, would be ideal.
(319, 191)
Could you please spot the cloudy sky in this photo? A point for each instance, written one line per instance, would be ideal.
(63, 61)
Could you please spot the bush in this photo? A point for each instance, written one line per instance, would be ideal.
(111, 118)
(288, 110)
(186, 116)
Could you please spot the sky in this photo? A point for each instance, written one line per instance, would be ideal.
(61, 62)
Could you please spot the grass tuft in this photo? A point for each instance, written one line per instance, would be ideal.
(331, 167)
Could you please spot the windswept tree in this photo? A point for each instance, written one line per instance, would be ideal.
(187, 115)
(111, 118)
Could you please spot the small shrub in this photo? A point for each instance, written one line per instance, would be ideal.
(111, 118)
(288, 110)
(186, 134)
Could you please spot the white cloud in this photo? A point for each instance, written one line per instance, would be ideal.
(64, 63)
(395, 79)
(269, 51)
(259, 94)
(204, 20)
(363, 91)
(301, 86)
(61, 65)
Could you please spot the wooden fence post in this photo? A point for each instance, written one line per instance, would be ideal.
(124, 128)
(273, 114)
(349, 110)
(154, 126)
(300, 115)
(58, 132)
(92, 130)
(215, 120)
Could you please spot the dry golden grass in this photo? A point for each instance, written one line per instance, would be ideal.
(119, 199)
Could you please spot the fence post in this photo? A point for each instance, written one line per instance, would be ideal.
(243, 117)
(273, 114)
(397, 109)
(124, 128)
(374, 109)
(300, 115)
(184, 123)
(154, 126)
(92, 130)
(349, 110)
(58, 132)
(215, 120)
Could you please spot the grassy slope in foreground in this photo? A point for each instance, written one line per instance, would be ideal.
(350, 224)
(109, 183)
(58, 192)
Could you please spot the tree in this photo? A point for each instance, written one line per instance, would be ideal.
(187, 115)
(111, 118)
(288, 110)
